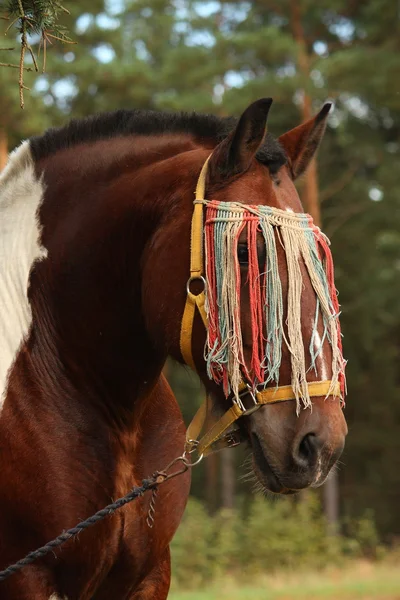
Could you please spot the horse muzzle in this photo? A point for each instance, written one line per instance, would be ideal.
(293, 453)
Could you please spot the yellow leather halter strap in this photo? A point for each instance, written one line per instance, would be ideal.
(196, 274)
(212, 440)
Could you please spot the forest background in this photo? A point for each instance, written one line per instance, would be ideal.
(217, 57)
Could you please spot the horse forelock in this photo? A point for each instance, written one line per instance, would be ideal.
(21, 195)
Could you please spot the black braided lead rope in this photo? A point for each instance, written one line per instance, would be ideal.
(147, 484)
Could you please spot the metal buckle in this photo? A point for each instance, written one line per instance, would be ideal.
(247, 392)
(232, 439)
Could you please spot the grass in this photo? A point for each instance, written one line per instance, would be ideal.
(358, 581)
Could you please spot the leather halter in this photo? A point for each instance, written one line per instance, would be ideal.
(214, 439)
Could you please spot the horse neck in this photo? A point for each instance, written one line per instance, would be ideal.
(102, 205)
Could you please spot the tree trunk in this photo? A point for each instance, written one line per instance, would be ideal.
(3, 148)
(227, 479)
(211, 468)
(311, 202)
(310, 198)
(330, 492)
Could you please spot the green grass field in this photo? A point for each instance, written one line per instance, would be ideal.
(361, 581)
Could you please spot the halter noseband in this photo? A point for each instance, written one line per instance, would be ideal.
(214, 439)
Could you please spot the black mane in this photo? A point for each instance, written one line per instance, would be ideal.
(121, 123)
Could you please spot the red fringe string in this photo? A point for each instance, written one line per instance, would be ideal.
(213, 324)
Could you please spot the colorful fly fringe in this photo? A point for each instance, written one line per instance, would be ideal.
(303, 244)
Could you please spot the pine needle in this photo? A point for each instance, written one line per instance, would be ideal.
(31, 18)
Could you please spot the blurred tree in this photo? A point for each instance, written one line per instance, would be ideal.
(15, 124)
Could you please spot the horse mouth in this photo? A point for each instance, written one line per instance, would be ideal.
(265, 472)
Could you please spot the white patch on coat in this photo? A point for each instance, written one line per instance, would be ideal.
(321, 360)
(21, 194)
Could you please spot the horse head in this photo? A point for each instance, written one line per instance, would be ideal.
(269, 343)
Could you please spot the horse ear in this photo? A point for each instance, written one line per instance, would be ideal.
(301, 143)
(235, 153)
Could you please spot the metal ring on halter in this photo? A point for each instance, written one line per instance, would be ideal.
(192, 444)
(187, 462)
(192, 464)
(186, 454)
(196, 278)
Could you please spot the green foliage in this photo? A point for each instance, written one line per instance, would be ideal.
(40, 17)
(17, 123)
(363, 538)
(192, 556)
(267, 537)
(286, 534)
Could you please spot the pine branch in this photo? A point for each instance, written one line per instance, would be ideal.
(34, 17)
(28, 69)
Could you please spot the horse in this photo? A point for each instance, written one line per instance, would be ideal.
(95, 238)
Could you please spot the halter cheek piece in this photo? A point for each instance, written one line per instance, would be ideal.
(214, 439)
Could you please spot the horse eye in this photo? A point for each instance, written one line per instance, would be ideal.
(261, 257)
(243, 254)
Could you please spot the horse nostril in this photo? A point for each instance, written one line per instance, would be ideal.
(308, 450)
